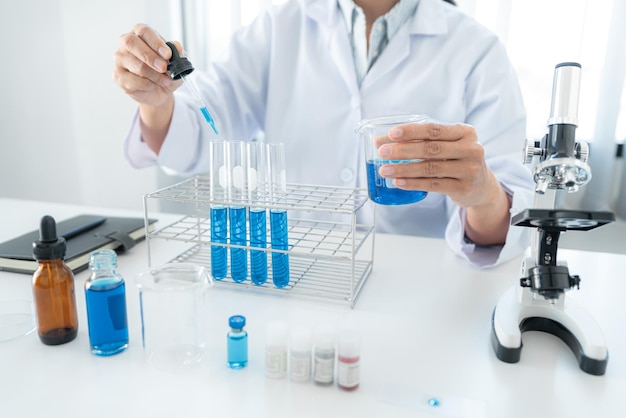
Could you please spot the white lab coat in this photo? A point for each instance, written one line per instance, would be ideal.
(291, 76)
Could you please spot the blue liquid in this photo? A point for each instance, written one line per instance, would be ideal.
(106, 316)
(280, 241)
(258, 239)
(237, 349)
(382, 190)
(219, 233)
(208, 118)
(238, 256)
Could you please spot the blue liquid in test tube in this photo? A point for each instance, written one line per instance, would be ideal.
(258, 239)
(238, 256)
(199, 102)
(279, 237)
(219, 233)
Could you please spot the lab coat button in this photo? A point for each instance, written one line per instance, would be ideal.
(346, 175)
(355, 102)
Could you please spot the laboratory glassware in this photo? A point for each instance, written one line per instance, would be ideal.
(257, 200)
(237, 342)
(180, 68)
(373, 133)
(53, 287)
(218, 182)
(237, 213)
(105, 296)
(279, 225)
(173, 314)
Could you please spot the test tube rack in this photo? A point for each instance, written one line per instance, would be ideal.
(330, 254)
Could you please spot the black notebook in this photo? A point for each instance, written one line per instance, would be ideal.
(83, 234)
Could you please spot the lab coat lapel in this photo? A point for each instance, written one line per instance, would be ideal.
(336, 39)
(429, 19)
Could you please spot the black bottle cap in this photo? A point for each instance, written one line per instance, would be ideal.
(178, 66)
(49, 246)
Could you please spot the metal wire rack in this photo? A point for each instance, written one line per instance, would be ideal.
(330, 254)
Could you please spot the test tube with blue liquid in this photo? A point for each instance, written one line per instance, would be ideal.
(179, 68)
(237, 210)
(278, 216)
(258, 214)
(218, 180)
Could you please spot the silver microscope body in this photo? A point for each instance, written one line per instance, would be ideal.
(539, 302)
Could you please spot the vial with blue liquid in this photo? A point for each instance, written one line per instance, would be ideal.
(105, 294)
(237, 342)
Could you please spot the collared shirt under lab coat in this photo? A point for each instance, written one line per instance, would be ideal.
(291, 76)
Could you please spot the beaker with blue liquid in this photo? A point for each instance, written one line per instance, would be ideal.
(374, 133)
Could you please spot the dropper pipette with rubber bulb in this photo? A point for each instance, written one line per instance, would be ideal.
(179, 68)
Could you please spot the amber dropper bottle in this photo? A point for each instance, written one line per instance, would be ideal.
(53, 287)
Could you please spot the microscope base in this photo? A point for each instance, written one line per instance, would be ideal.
(520, 310)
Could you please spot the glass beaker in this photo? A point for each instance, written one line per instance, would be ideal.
(374, 133)
(173, 319)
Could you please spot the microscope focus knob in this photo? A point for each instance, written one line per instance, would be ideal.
(582, 151)
(531, 150)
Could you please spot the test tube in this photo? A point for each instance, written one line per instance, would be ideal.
(278, 216)
(218, 179)
(237, 210)
(258, 214)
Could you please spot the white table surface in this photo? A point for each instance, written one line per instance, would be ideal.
(425, 320)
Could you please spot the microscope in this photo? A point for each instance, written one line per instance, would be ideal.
(539, 302)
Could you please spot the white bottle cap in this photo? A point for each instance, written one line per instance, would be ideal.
(325, 337)
(301, 339)
(349, 344)
(276, 334)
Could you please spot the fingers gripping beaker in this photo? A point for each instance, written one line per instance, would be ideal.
(173, 320)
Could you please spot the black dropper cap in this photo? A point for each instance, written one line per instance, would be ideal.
(49, 246)
(178, 66)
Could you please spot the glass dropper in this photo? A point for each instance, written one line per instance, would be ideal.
(180, 67)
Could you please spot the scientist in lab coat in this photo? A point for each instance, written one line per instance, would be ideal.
(307, 71)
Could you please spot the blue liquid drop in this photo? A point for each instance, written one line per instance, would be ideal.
(209, 118)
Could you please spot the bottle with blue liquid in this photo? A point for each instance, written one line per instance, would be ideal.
(105, 293)
(237, 342)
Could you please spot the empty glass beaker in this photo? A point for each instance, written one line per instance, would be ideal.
(173, 319)
(374, 133)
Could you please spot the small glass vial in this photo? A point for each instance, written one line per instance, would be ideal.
(237, 342)
(300, 355)
(53, 287)
(349, 360)
(105, 296)
(276, 350)
(324, 357)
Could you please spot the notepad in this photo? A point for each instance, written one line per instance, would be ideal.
(83, 235)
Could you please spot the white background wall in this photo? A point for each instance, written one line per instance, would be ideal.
(62, 117)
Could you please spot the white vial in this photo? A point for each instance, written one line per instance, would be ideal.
(276, 350)
(300, 355)
(324, 356)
